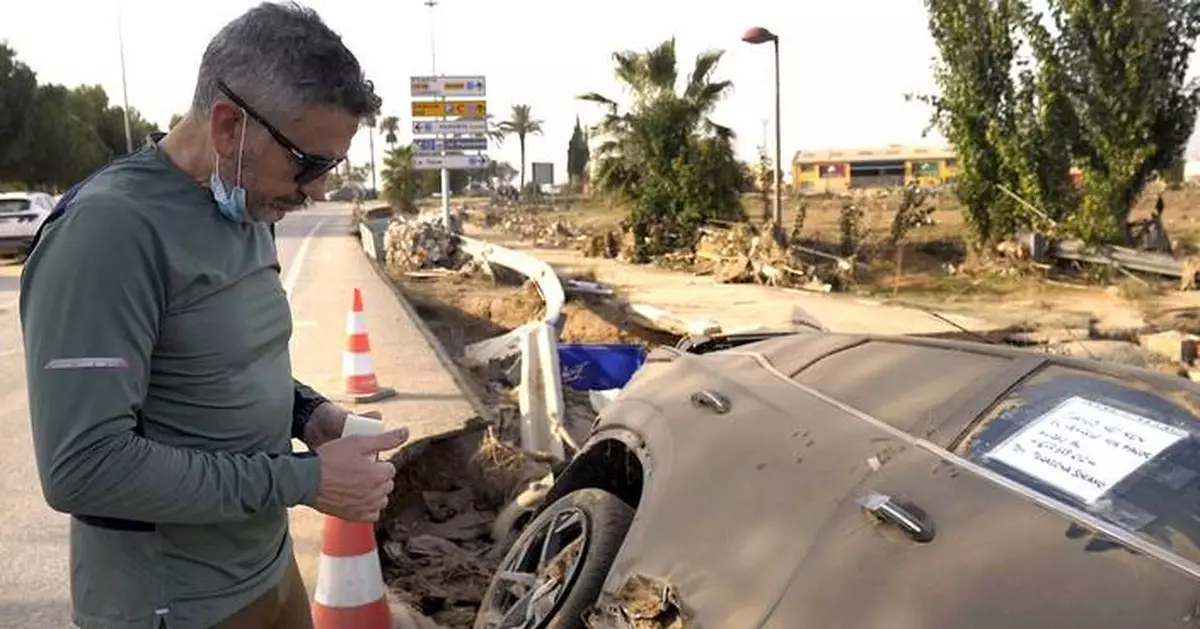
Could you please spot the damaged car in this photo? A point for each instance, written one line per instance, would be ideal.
(867, 482)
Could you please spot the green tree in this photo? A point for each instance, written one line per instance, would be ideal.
(57, 146)
(18, 96)
(369, 122)
(521, 124)
(973, 108)
(400, 185)
(664, 154)
(389, 127)
(1126, 64)
(578, 154)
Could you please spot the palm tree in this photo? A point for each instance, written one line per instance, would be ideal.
(399, 182)
(389, 126)
(521, 124)
(661, 123)
(664, 154)
(369, 122)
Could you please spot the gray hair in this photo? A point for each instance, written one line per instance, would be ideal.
(280, 58)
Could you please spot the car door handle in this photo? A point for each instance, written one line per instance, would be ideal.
(712, 401)
(907, 517)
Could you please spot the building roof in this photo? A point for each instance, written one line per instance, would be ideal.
(896, 152)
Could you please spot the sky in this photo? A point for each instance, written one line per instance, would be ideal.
(845, 66)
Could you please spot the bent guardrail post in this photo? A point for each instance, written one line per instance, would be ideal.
(540, 392)
(544, 278)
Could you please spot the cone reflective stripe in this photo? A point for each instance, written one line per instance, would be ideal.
(361, 382)
(350, 592)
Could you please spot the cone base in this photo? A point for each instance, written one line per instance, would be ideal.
(377, 615)
(382, 393)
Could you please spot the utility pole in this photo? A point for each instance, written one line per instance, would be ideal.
(433, 66)
(124, 86)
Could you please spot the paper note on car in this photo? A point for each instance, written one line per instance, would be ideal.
(1084, 448)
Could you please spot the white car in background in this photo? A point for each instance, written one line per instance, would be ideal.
(21, 214)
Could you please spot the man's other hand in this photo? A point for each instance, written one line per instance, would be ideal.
(327, 422)
(354, 485)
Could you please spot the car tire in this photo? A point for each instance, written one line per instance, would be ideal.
(609, 519)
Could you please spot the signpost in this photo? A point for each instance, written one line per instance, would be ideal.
(466, 126)
(437, 145)
(448, 86)
(467, 118)
(460, 108)
(449, 161)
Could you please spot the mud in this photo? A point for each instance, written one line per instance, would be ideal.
(437, 552)
(641, 603)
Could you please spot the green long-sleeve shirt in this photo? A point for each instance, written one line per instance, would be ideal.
(156, 337)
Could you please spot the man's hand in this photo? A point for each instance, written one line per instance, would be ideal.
(326, 424)
(354, 486)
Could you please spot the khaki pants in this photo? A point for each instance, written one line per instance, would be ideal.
(283, 607)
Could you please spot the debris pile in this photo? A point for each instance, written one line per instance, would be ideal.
(437, 540)
(413, 245)
(542, 231)
(742, 254)
(641, 603)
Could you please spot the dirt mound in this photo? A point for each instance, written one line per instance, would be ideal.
(509, 311)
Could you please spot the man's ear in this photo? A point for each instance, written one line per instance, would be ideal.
(226, 128)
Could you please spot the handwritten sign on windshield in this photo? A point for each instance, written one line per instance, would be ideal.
(1084, 448)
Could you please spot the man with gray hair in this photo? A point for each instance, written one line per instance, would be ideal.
(156, 340)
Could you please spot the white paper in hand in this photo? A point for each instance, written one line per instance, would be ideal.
(359, 425)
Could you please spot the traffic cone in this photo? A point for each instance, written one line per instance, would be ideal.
(350, 593)
(362, 386)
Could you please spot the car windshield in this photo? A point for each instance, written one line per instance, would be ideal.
(8, 206)
(1126, 454)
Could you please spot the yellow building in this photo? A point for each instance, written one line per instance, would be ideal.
(842, 170)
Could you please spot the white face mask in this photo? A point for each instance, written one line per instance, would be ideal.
(231, 203)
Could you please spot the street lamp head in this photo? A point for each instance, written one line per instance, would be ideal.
(759, 35)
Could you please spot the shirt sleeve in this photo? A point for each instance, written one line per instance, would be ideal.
(92, 297)
(305, 401)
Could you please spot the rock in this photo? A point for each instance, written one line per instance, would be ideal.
(1173, 345)
(1048, 337)
(463, 527)
(394, 550)
(443, 505)
(1112, 351)
(413, 245)
(431, 546)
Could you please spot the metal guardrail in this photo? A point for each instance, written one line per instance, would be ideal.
(541, 398)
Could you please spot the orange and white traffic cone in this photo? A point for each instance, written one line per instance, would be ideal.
(362, 386)
(350, 593)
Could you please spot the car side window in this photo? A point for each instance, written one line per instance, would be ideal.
(1126, 453)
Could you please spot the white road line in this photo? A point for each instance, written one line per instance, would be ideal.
(293, 272)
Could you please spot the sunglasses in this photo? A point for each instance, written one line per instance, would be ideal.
(310, 167)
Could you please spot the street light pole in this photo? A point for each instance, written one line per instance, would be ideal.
(124, 86)
(778, 152)
(445, 172)
(760, 35)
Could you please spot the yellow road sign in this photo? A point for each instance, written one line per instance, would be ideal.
(451, 108)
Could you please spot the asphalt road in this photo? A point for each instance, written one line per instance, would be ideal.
(33, 538)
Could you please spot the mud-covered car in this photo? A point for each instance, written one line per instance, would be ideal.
(863, 482)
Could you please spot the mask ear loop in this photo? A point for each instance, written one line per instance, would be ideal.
(241, 150)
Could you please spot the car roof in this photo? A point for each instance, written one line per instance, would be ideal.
(20, 195)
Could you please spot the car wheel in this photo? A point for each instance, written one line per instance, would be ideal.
(556, 568)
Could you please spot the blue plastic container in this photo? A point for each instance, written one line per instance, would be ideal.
(594, 367)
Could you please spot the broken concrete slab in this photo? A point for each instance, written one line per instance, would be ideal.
(1173, 345)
